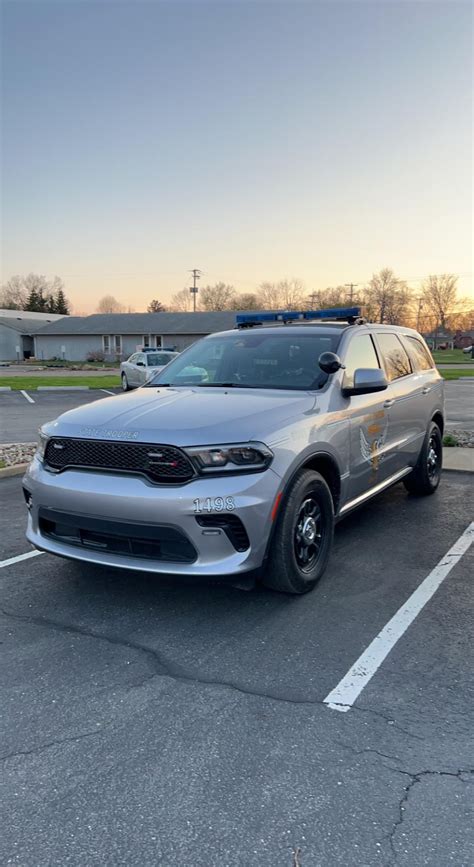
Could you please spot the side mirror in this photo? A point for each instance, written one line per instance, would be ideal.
(366, 381)
(329, 362)
(141, 364)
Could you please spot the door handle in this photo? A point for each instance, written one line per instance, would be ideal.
(426, 389)
(389, 402)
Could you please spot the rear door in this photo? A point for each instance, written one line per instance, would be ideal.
(369, 419)
(407, 416)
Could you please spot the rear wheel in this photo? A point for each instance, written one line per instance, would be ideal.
(303, 536)
(125, 385)
(426, 476)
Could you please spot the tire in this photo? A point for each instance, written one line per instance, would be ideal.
(125, 385)
(286, 571)
(426, 475)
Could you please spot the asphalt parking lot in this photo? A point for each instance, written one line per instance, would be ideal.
(152, 722)
(20, 418)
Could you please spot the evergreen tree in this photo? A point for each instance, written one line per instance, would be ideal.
(61, 304)
(33, 301)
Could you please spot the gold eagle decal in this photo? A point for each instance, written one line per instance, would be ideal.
(371, 450)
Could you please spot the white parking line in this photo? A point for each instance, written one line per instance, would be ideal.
(29, 399)
(107, 391)
(350, 687)
(20, 557)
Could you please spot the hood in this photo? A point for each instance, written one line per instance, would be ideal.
(184, 416)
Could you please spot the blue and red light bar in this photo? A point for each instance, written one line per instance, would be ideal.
(334, 314)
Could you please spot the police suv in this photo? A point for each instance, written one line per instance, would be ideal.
(243, 452)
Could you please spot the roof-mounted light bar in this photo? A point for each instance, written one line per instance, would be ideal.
(333, 314)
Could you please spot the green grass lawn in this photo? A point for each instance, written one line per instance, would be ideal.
(457, 373)
(29, 383)
(452, 356)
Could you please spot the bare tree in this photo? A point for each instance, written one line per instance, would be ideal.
(331, 297)
(13, 294)
(155, 306)
(440, 297)
(388, 299)
(181, 302)
(245, 301)
(284, 295)
(218, 297)
(109, 304)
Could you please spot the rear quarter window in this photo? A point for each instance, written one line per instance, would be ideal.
(418, 353)
(394, 356)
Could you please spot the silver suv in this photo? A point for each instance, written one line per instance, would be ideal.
(243, 452)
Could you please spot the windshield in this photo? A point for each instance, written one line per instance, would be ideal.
(159, 359)
(246, 359)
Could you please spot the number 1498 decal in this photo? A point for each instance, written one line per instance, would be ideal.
(214, 504)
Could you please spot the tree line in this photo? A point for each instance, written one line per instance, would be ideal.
(385, 298)
(34, 293)
(436, 305)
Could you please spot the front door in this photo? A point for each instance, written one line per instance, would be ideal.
(369, 416)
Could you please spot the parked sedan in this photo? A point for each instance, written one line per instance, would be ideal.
(142, 365)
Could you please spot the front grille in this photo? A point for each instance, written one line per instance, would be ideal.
(160, 464)
(145, 541)
(232, 526)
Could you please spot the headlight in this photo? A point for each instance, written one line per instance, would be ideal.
(241, 457)
(42, 443)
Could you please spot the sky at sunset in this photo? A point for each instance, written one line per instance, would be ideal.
(253, 140)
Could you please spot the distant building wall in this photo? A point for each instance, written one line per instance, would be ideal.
(9, 340)
(78, 346)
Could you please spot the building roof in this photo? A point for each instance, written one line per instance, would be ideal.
(24, 325)
(142, 323)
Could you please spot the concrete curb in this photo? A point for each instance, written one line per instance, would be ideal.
(17, 470)
(458, 459)
(5, 388)
(63, 388)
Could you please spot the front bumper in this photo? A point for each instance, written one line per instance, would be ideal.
(126, 498)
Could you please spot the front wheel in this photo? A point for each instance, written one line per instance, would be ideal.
(303, 536)
(125, 385)
(426, 475)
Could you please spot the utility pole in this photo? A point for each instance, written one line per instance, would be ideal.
(351, 287)
(196, 272)
(418, 314)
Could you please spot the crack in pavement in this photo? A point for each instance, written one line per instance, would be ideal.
(163, 667)
(56, 743)
(414, 779)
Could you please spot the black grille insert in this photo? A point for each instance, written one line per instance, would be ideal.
(232, 526)
(147, 541)
(161, 464)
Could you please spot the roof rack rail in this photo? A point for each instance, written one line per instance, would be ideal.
(352, 315)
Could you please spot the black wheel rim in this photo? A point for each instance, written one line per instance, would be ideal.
(308, 534)
(433, 460)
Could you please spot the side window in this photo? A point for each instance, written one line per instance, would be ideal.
(395, 358)
(360, 353)
(419, 354)
(132, 359)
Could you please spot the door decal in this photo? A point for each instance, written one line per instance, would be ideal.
(371, 446)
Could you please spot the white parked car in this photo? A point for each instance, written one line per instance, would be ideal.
(141, 366)
(467, 349)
